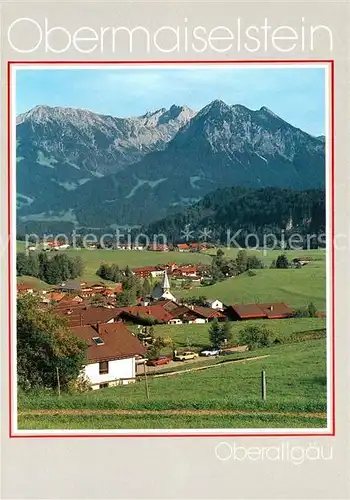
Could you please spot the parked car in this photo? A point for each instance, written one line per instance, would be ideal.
(162, 360)
(227, 353)
(210, 352)
(186, 355)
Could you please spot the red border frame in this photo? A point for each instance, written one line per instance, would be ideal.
(330, 62)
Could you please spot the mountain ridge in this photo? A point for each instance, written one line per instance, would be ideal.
(181, 156)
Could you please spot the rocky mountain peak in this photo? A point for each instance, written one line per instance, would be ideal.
(142, 167)
(266, 111)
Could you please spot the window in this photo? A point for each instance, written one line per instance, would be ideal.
(103, 368)
(102, 386)
(98, 340)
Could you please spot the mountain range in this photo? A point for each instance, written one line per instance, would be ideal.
(98, 171)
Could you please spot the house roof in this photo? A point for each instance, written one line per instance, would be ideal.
(22, 287)
(180, 312)
(208, 312)
(211, 301)
(83, 315)
(119, 342)
(156, 311)
(248, 311)
(71, 300)
(98, 285)
(145, 269)
(276, 309)
(167, 304)
(72, 285)
(263, 310)
(55, 296)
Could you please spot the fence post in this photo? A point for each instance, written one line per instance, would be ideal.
(58, 381)
(146, 381)
(263, 385)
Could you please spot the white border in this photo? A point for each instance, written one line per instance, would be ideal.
(172, 432)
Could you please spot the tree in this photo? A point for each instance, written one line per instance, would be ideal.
(22, 264)
(102, 271)
(254, 263)
(126, 298)
(53, 273)
(116, 274)
(97, 300)
(155, 348)
(44, 345)
(226, 330)
(255, 336)
(33, 264)
(312, 311)
(216, 273)
(242, 261)
(282, 262)
(218, 334)
(43, 265)
(220, 254)
(128, 273)
(52, 270)
(76, 267)
(146, 288)
(63, 265)
(229, 268)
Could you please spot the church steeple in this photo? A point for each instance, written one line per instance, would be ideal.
(165, 283)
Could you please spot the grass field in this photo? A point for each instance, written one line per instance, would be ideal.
(197, 336)
(98, 421)
(296, 397)
(296, 287)
(268, 256)
(93, 259)
(34, 282)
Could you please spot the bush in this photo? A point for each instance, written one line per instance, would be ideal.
(301, 313)
(81, 384)
(282, 262)
(307, 312)
(311, 309)
(253, 262)
(255, 337)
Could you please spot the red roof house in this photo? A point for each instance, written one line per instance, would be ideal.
(270, 310)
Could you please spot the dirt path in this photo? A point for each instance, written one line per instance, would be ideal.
(186, 412)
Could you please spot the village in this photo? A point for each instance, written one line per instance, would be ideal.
(120, 341)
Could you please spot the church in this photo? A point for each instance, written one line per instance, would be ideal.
(162, 290)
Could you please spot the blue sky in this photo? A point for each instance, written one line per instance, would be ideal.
(295, 94)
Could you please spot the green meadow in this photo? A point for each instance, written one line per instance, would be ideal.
(296, 287)
(282, 330)
(227, 395)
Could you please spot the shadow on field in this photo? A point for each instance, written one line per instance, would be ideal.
(318, 381)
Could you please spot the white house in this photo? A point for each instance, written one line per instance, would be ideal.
(197, 321)
(111, 354)
(214, 304)
(175, 321)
